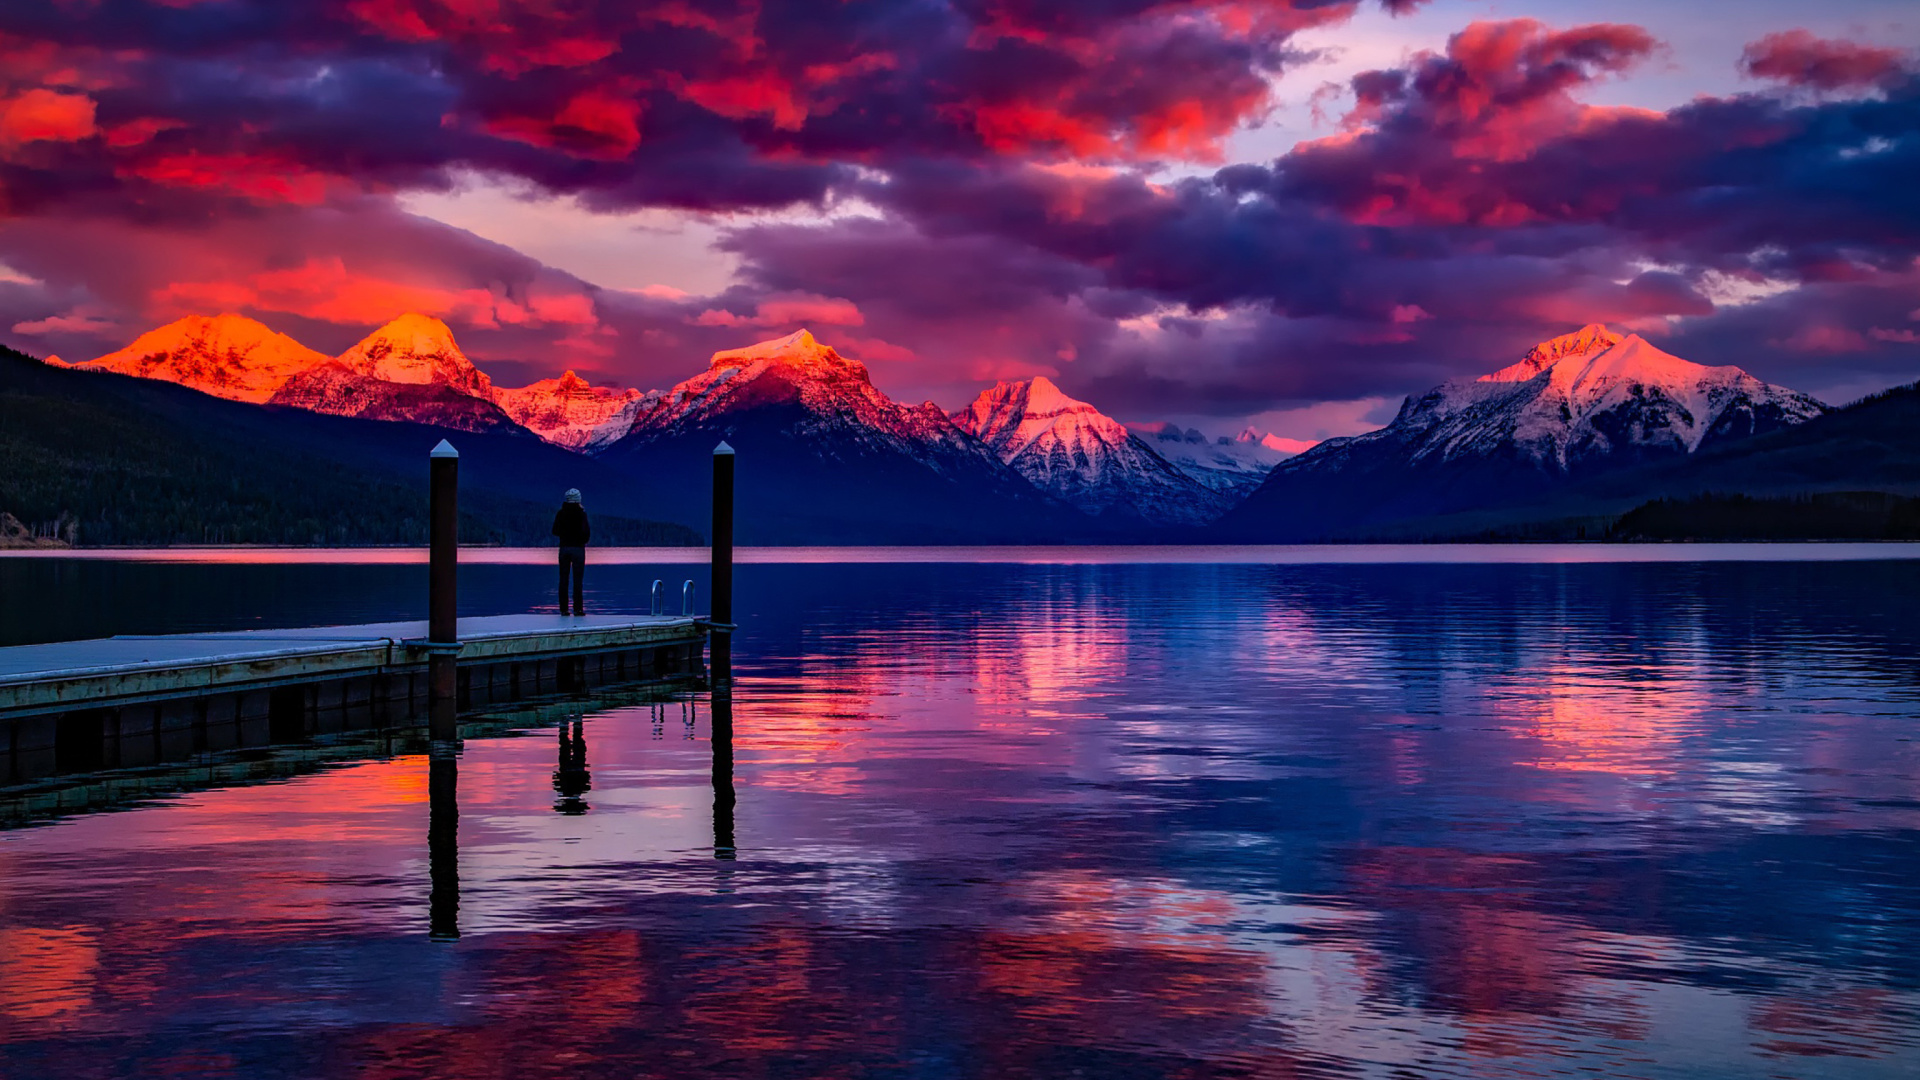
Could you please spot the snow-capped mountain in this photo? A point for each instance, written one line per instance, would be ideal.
(338, 390)
(1572, 406)
(1594, 395)
(1076, 453)
(1232, 466)
(410, 369)
(417, 348)
(829, 395)
(571, 412)
(824, 455)
(228, 356)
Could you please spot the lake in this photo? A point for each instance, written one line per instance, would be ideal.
(1482, 812)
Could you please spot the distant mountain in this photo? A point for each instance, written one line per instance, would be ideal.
(417, 348)
(825, 457)
(409, 370)
(228, 356)
(1233, 467)
(180, 467)
(571, 412)
(1571, 408)
(1071, 450)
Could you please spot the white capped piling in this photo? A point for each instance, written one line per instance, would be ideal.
(443, 608)
(722, 617)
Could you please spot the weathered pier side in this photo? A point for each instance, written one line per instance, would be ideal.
(128, 701)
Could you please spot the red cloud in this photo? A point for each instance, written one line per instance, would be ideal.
(261, 178)
(1420, 138)
(789, 309)
(41, 115)
(597, 124)
(1800, 59)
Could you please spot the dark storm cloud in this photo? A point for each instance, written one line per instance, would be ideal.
(705, 106)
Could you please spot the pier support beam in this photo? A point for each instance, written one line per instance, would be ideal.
(443, 609)
(722, 565)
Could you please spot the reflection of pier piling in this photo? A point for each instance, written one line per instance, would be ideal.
(722, 724)
(571, 779)
(443, 841)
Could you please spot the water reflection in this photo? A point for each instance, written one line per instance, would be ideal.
(1119, 821)
(571, 780)
(721, 735)
(443, 841)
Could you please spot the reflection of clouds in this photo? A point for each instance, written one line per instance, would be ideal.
(1827, 1020)
(1584, 721)
(47, 975)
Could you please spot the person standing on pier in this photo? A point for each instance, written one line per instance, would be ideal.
(571, 529)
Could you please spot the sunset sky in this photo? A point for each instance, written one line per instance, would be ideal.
(1289, 211)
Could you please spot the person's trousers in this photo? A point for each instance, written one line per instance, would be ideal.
(573, 561)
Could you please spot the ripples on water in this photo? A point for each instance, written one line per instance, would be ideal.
(1109, 821)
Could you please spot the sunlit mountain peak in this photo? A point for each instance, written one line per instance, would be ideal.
(798, 350)
(416, 348)
(228, 355)
(1075, 452)
(1586, 341)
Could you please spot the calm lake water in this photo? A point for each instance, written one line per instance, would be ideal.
(1034, 819)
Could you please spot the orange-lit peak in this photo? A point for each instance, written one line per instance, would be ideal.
(416, 348)
(797, 350)
(413, 332)
(1589, 339)
(227, 355)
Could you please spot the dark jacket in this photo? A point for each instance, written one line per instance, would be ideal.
(570, 525)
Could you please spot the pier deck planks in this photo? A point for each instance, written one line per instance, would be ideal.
(121, 670)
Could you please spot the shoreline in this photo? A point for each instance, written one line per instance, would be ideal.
(1533, 552)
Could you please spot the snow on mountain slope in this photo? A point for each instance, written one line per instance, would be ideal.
(1071, 450)
(339, 390)
(1233, 467)
(571, 412)
(834, 397)
(825, 457)
(416, 348)
(1575, 405)
(228, 356)
(1591, 396)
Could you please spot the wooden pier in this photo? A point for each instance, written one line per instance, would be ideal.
(134, 701)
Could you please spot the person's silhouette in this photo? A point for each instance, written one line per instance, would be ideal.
(571, 779)
(570, 527)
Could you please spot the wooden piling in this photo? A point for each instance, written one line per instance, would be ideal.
(443, 628)
(723, 457)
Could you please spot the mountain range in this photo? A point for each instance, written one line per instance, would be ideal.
(1572, 408)
(1580, 421)
(1084, 457)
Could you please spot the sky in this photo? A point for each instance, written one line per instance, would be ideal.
(1285, 212)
